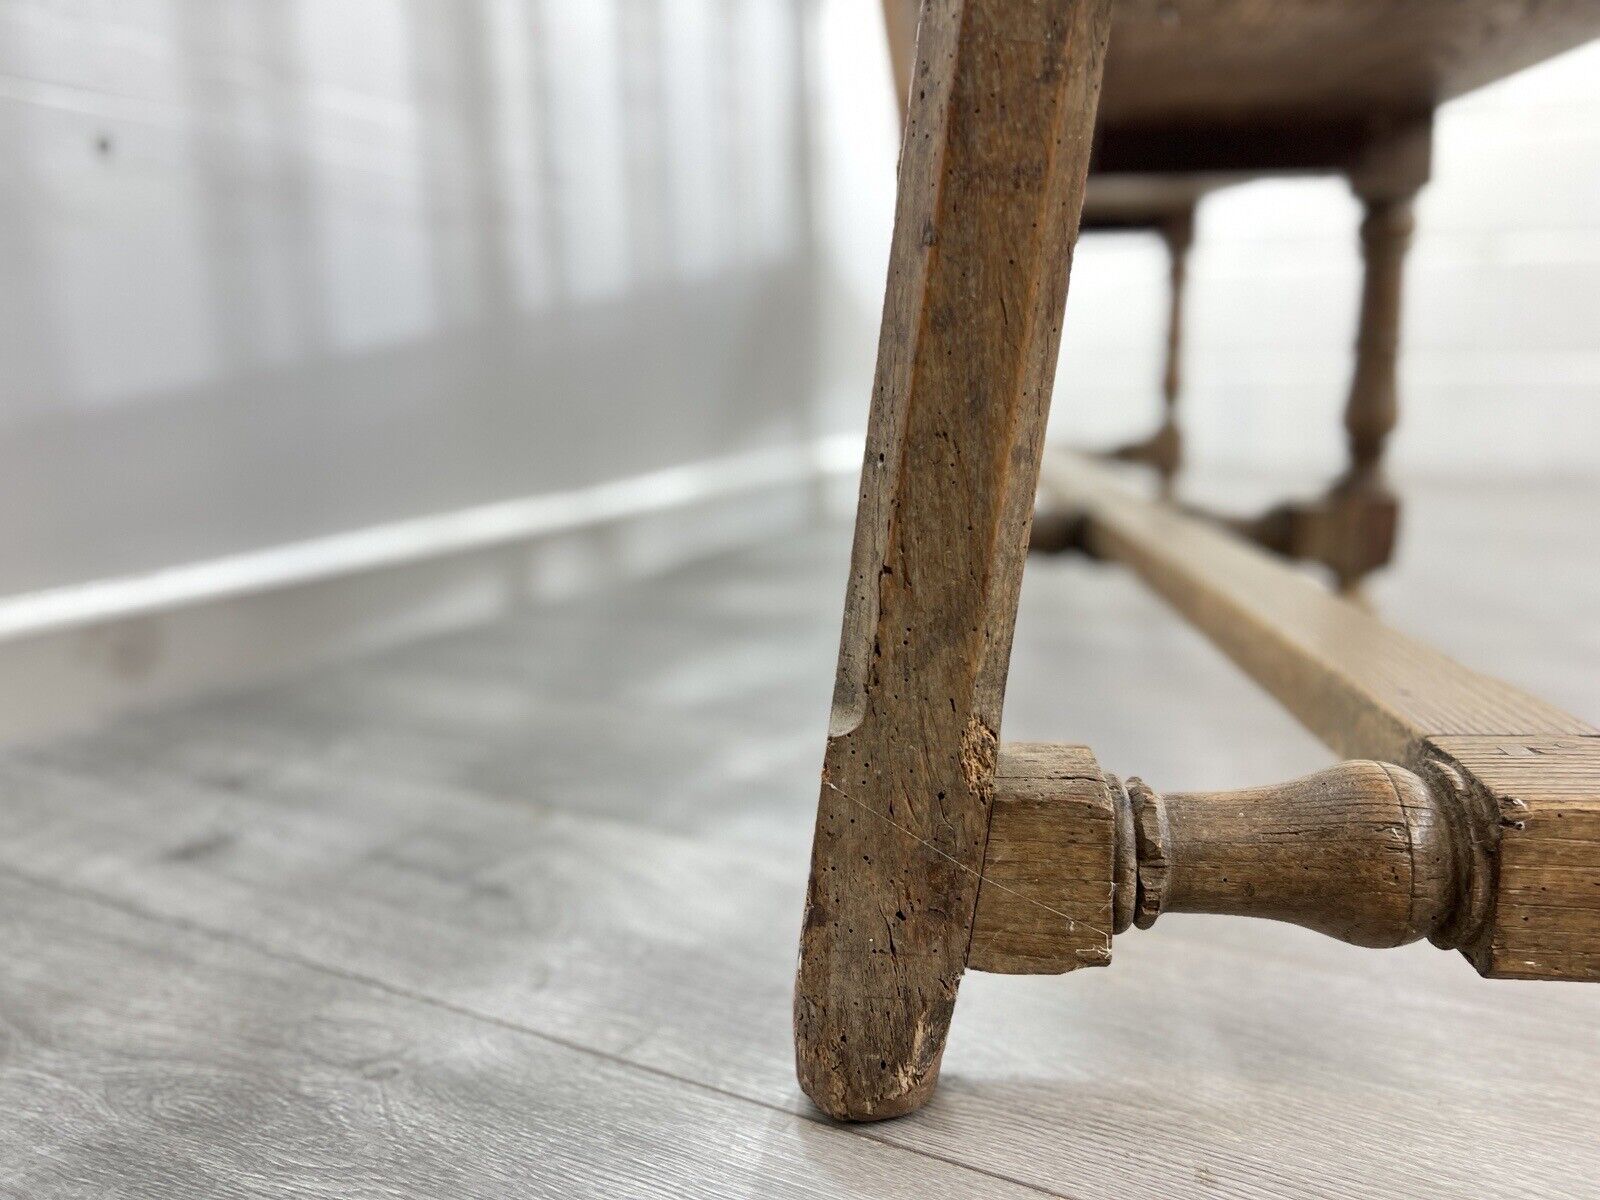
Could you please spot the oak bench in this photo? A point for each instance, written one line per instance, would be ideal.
(1466, 812)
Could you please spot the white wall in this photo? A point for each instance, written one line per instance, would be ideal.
(275, 268)
(293, 287)
(1501, 367)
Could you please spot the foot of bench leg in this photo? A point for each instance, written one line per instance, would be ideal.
(1350, 530)
(991, 189)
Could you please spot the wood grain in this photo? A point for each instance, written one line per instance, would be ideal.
(1367, 690)
(1047, 901)
(991, 184)
(1545, 796)
(1363, 688)
(1368, 853)
(1361, 852)
(1233, 63)
(1238, 62)
(1213, 87)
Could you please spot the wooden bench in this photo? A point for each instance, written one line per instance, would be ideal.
(1469, 813)
(1199, 96)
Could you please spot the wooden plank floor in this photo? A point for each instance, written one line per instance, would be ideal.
(514, 912)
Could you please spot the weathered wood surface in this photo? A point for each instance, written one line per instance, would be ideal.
(1190, 62)
(1238, 62)
(1361, 852)
(1241, 86)
(374, 820)
(1366, 690)
(1546, 793)
(1369, 691)
(1369, 853)
(1223, 86)
(1048, 896)
(1120, 202)
(992, 171)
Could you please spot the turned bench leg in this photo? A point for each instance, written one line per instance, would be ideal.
(1163, 449)
(1373, 406)
(1178, 233)
(992, 172)
(1351, 528)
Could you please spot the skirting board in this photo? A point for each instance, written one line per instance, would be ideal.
(74, 656)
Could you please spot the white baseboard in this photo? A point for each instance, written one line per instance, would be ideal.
(74, 656)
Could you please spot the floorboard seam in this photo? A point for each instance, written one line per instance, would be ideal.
(184, 924)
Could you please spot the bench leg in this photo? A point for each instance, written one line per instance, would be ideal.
(1351, 528)
(1163, 449)
(992, 171)
(1373, 405)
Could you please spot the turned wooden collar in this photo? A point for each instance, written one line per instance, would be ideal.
(1365, 852)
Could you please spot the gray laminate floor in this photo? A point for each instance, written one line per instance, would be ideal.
(513, 913)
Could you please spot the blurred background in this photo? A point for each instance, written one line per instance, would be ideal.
(328, 324)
